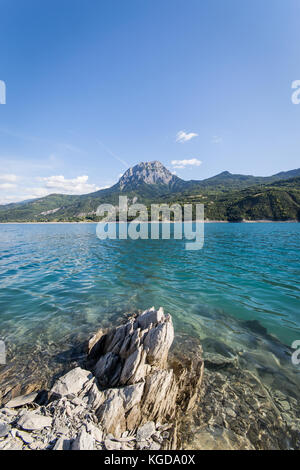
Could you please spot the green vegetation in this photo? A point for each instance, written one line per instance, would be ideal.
(225, 197)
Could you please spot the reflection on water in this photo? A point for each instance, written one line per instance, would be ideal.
(239, 295)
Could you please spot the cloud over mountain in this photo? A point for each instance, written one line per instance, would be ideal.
(77, 185)
(180, 164)
(183, 136)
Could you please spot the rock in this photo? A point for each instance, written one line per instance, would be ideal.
(83, 441)
(95, 397)
(72, 382)
(132, 395)
(95, 432)
(77, 401)
(284, 405)
(141, 445)
(230, 412)
(158, 342)
(62, 430)
(117, 337)
(111, 416)
(4, 443)
(62, 444)
(108, 370)
(25, 436)
(134, 417)
(8, 412)
(130, 351)
(154, 446)
(124, 439)
(22, 400)
(145, 432)
(31, 421)
(215, 361)
(11, 444)
(157, 437)
(149, 173)
(163, 427)
(159, 399)
(149, 317)
(118, 402)
(95, 343)
(130, 366)
(118, 407)
(112, 445)
(4, 429)
(37, 445)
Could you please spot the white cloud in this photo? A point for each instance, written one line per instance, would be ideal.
(11, 198)
(7, 185)
(21, 194)
(10, 192)
(8, 178)
(36, 192)
(216, 139)
(184, 163)
(183, 136)
(63, 185)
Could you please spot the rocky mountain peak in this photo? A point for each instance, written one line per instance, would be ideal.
(148, 173)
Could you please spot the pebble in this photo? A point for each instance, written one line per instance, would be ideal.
(25, 436)
(4, 429)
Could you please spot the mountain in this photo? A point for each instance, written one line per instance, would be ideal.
(153, 173)
(227, 181)
(225, 196)
(146, 180)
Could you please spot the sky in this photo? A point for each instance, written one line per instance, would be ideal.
(96, 86)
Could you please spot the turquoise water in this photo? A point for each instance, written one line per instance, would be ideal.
(59, 282)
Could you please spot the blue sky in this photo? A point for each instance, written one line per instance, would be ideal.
(96, 86)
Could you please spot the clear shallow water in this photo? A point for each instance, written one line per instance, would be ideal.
(59, 283)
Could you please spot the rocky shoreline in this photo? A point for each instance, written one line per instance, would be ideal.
(126, 398)
(130, 392)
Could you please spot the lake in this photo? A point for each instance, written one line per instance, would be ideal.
(59, 283)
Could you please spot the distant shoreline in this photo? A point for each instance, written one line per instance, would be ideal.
(151, 222)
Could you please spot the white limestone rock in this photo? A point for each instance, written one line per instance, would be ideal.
(72, 382)
(149, 317)
(62, 443)
(25, 436)
(31, 421)
(21, 400)
(95, 431)
(111, 416)
(83, 441)
(4, 429)
(145, 431)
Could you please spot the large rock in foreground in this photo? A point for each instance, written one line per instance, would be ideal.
(130, 400)
(133, 384)
(129, 353)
